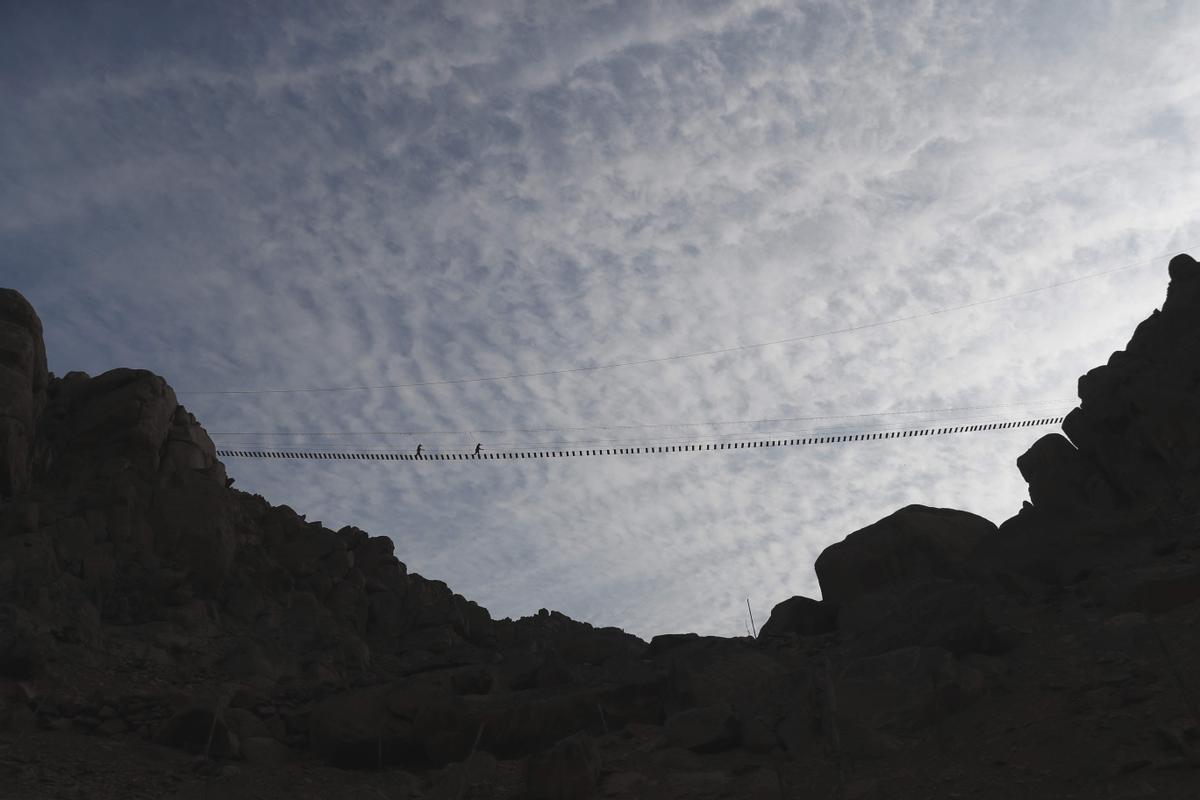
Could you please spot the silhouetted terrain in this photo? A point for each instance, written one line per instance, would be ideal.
(164, 635)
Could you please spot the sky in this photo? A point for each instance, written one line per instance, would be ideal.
(303, 195)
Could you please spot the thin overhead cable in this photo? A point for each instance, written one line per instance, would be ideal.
(840, 438)
(959, 420)
(680, 356)
(633, 438)
(682, 437)
(643, 426)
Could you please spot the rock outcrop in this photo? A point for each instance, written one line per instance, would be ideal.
(802, 616)
(1135, 437)
(1126, 476)
(23, 378)
(147, 606)
(913, 545)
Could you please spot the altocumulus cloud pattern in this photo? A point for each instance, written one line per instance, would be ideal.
(274, 195)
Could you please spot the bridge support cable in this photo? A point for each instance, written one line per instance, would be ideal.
(565, 451)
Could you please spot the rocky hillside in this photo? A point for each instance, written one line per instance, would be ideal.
(165, 635)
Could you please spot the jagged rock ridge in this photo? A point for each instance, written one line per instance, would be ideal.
(146, 603)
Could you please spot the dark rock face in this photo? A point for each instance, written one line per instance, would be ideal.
(567, 771)
(199, 731)
(144, 600)
(902, 689)
(23, 378)
(953, 615)
(708, 729)
(20, 650)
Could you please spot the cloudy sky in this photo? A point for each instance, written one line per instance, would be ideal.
(290, 195)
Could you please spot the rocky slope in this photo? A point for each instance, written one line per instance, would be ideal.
(164, 635)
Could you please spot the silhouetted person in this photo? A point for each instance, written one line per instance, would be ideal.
(419, 450)
(478, 447)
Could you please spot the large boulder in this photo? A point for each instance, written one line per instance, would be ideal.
(915, 543)
(801, 616)
(1062, 480)
(23, 380)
